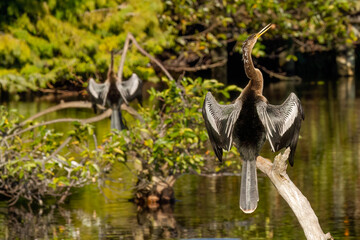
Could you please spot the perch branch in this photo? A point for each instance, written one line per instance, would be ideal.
(292, 195)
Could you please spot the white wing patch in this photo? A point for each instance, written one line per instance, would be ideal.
(91, 88)
(211, 118)
(289, 118)
(279, 120)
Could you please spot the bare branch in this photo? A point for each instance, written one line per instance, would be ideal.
(123, 56)
(119, 7)
(209, 29)
(62, 105)
(67, 140)
(197, 68)
(104, 115)
(292, 195)
(143, 51)
(279, 76)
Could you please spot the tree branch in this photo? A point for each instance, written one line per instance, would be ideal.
(105, 114)
(62, 105)
(292, 195)
(123, 56)
(197, 68)
(279, 76)
(144, 52)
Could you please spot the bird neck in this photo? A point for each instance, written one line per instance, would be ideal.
(248, 63)
(254, 74)
(257, 83)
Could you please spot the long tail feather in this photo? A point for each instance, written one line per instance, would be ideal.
(249, 195)
(116, 119)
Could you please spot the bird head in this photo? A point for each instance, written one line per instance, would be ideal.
(250, 41)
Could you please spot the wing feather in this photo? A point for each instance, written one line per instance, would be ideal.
(130, 88)
(98, 91)
(220, 121)
(282, 123)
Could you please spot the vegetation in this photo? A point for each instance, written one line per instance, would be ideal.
(42, 163)
(59, 44)
(37, 162)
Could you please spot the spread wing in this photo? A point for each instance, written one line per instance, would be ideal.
(130, 88)
(282, 123)
(220, 121)
(98, 91)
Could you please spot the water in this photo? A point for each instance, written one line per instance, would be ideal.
(326, 170)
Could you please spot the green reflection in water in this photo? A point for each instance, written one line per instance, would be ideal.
(326, 170)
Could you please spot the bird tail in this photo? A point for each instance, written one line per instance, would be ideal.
(249, 195)
(116, 119)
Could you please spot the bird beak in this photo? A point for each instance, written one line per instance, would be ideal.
(263, 30)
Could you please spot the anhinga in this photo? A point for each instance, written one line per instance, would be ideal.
(248, 121)
(113, 93)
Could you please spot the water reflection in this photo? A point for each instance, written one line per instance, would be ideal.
(326, 170)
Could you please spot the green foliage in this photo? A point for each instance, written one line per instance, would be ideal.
(66, 41)
(206, 25)
(40, 36)
(35, 165)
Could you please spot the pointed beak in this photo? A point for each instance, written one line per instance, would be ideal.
(263, 30)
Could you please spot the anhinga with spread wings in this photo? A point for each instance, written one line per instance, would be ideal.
(248, 121)
(114, 92)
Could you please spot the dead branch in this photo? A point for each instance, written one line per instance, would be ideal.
(67, 140)
(292, 195)
(119, 7)
(62, 105)
(144, 52)
(77, 104)
(58, 91)
(87, 120)
(123, 56)
(198, 68)
(279, 76)
(209, 29)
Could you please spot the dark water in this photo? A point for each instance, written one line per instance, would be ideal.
(326, 170)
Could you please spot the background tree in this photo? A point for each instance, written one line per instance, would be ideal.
(59, 44)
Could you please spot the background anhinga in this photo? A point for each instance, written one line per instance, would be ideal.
(113, 93)
(248, 121)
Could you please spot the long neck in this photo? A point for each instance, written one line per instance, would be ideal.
(254, 74)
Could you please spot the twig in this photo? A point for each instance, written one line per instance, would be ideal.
(58, 91)
(209, 29)
(119, 7)
(197, 68)
(292, 195)
(279, 76)
(67, 140)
